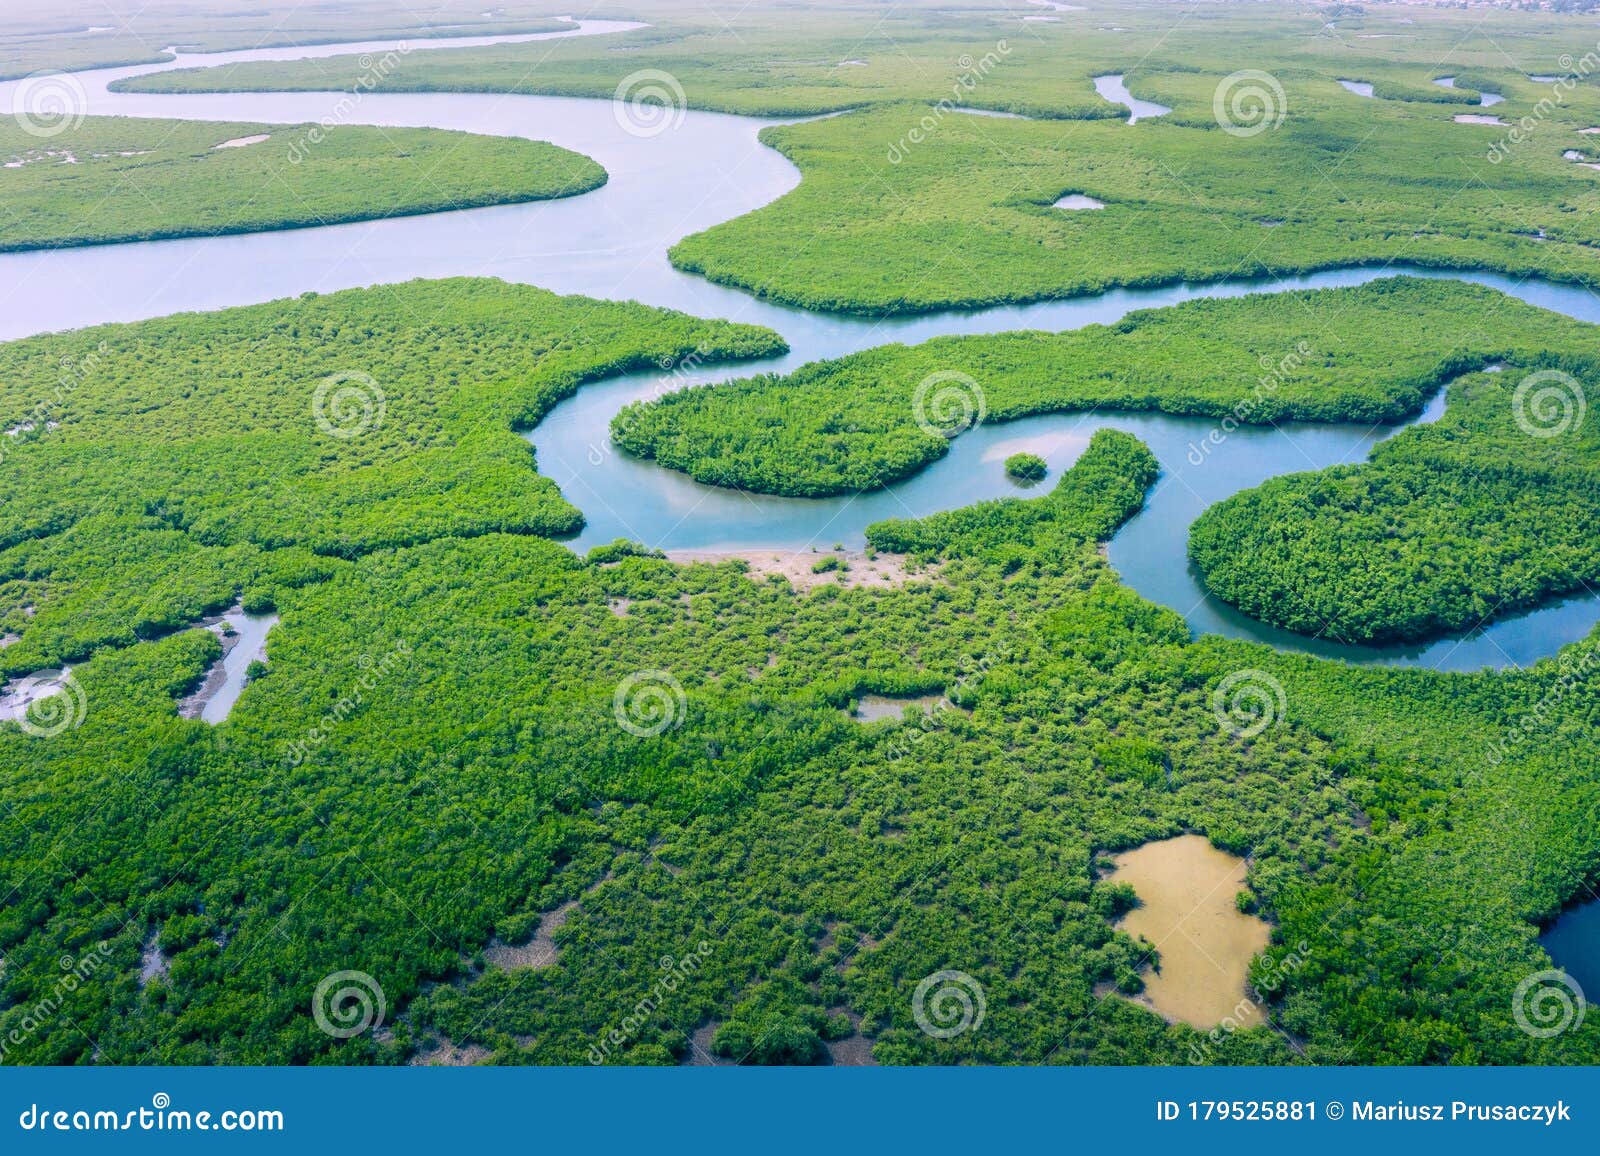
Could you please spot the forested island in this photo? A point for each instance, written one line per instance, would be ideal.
(488, 787)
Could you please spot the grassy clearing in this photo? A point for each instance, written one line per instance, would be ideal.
(966, 218)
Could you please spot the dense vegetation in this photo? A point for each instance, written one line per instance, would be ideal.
(1107, 487)
(1449, 526)
(966, 218)
(781, 63)
(469, 790)
(1453, 524)
(122, 179)
(350, 460)
(1368, 354)
(853, 53)
(958, 210)
(1026, 467)
(174, 463)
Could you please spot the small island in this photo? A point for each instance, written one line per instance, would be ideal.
(1026, 467)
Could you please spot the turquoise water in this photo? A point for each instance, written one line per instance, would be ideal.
(612, 243)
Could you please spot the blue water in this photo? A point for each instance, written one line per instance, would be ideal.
(612, 243)
(1573, 942)
(1112, 88)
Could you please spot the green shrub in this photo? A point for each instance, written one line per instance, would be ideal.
(1026, 467)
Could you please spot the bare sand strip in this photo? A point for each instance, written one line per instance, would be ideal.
(856, 568)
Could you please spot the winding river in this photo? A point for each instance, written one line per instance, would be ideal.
(612, 243)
